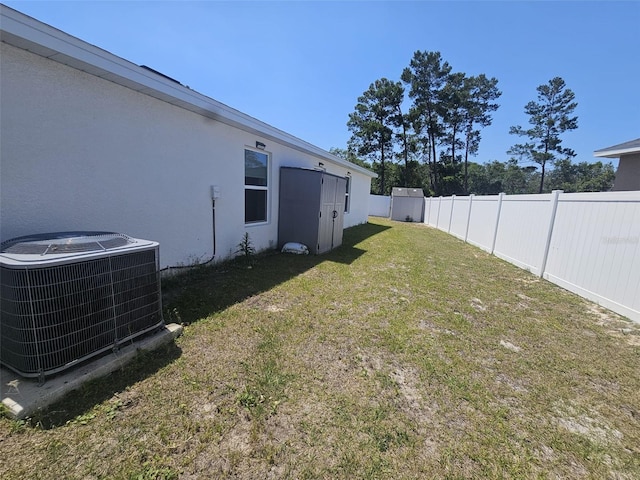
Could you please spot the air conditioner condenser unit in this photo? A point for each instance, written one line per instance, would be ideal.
(68, 296)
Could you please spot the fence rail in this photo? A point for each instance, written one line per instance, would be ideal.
(588, 243)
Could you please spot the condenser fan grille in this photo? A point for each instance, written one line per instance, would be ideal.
(66, 242)
(53, 316)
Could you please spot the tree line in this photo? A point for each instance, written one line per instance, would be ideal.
(423, 130)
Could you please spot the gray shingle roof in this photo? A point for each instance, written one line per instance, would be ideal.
(632, 146)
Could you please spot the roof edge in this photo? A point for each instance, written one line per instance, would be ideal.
(615, 151)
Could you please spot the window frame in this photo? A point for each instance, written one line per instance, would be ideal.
(264, 188)
(347, 195)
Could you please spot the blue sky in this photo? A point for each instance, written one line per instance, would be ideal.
(300, 66)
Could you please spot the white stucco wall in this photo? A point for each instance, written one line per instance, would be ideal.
(81, 153)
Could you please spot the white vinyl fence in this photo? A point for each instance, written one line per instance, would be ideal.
(588, 243)
(380, 206)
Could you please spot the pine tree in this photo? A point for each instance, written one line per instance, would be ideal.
(549, 117)
(427, 75)
(480, 95)
(372, 125)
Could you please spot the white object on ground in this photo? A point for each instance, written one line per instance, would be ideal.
(295, 247)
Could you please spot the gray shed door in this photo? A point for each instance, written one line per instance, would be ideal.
(338, 221)
(331, 221)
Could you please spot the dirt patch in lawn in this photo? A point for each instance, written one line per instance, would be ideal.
(616, 325)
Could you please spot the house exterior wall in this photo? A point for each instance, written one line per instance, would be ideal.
(81, 153)
(628, 173)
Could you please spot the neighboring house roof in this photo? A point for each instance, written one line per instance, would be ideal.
(615, 151)
(30, 34)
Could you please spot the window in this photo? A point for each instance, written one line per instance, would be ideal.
(346, 196)
(256, 177)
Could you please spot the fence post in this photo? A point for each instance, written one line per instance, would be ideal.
(438, 216)
(453, 199)
(466, 232)
(495, 231)
(552, 220)
(427, 210)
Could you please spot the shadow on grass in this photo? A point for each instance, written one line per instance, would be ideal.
(201, 292)
(96, 391)
(194, 295)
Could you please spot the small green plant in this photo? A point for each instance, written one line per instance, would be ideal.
(85, 418)
(249, 399)
(112, 410)
(150, 472)
(246, 250)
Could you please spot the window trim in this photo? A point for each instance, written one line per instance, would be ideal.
(347, 195)
(265, 188)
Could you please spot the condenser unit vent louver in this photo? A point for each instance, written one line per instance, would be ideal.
(68, 296)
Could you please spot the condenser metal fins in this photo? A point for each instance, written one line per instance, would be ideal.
(66, 297)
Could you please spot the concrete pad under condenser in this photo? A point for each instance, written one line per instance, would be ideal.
(22, 397)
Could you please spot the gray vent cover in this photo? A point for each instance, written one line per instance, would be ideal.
(65, 242)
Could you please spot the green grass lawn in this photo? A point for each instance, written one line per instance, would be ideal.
(404, 354)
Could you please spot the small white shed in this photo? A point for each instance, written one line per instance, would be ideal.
(407, 204)
(91, 141)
